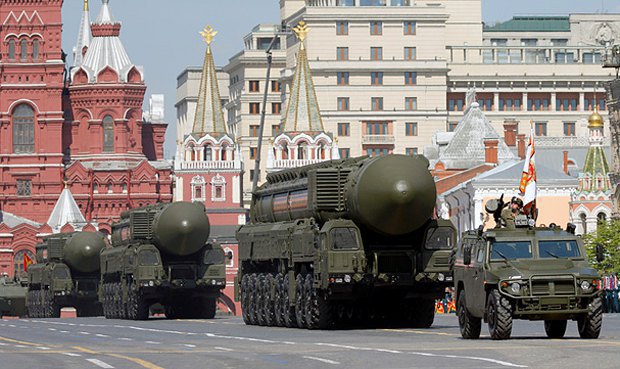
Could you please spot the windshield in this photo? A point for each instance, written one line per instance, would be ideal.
(61, 273)
(148, 258)
(215, 256)
(344, 239)
(439, 239)
(511, 250)
(558, 249)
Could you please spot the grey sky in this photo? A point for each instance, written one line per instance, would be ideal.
(162, 35)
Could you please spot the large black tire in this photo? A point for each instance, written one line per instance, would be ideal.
(590, 324)
(268, 301)
(107, 306)
(260, 299)
(207, 309)
(244, 299)
(252, 294)
(288, 312)
(555, 328)
(278, 316)
(53, 309)
(319, 311)
(499, 316)
(424, 313)
(469, 325)
(137, 307)
(300, 302)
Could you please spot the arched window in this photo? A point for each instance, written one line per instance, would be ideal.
(302, 151)
(11, 49)
(108, 134)
(584, 223)
(18, 262)
(23, 129)
(224, 153)
(35, 49)
(24, 54)
(601, 217)
(285, 151)
(208, 153)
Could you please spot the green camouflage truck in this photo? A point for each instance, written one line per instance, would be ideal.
(160, 254)
(347, 242)
(13, 296)
(66, 275)
(531, 273)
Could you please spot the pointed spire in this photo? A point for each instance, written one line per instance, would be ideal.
(66, 211)
(303, 113)
(209, 117)
(84, 37)
(105, 15)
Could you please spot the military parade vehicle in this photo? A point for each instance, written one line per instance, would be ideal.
(66, 275)
(526, 272)
(13, 296)
(160, 254)
(345, 242)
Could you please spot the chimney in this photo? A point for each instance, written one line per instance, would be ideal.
(566, 162)
(490, 151)
(511, 127)
(521, 146)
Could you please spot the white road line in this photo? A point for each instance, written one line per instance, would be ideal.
(190, 346)
(43, 348)
(20, 346)
(100, 363)
(224, 349)
(12, 325)
(153, 343)
(326, 361)
(72, 354)
(126, 339)
(3, 344)
(84, 333)
(64, 331)
(51, 329)
(102, 335)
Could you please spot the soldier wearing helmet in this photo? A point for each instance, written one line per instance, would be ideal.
(514, 208)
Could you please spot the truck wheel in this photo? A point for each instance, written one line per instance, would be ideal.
(252, 299)
(137, 307)
(555, 328)
(268, 305)
(244, 299)
(469, 325)
(207, 309)
(261, 297)
(106, 301)
(499, 316)
(424, 311)
(278, 317)
(590, 324)
(319, 314)
(290, 318)
(300, 303)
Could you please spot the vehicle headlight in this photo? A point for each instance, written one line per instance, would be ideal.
(585, 285)
(347, 278)
(441, 277)
(515, 287)
(151, 283)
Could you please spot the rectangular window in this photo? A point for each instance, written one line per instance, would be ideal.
(377, 152)
(253, 152)
(411, 78)
(411, 151)
(376, 78)
(452, 126)
(343, 103)
(344, 129)
(11, 49)
(376, 53)
(254, 131)
(376, 28)
(254, 108)
(541, 128)
(275, 130)
(411, 103)
(24, 55)
(409, 53)
(275, 86)
(344, 153)
(409, 28)
(377, 103)
(24, 187)
(343, 78)
(276, 108)
(411, 129)
(569, 128)
(377, 129)
(342, 28)
(254, 86)
(342, 53)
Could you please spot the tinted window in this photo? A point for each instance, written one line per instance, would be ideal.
(558, 249)
(511, 250)
(214, 257)
(61, 273)
(439, 238)
(148, 258)
(344, 239)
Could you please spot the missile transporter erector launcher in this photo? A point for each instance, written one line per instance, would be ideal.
(66, 275)
(160, 255)
(345, 242)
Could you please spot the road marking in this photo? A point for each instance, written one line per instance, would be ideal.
(72, 354)
(102, 335)
(153, 343)
(12, 325)
(20, 346)
(85, 350)
(52, 329)
(100, 363)
(421, 332)
(84, 333)
(326, 361)
(43, 348)
(125, 339)
(64, 331)
(190, 346)
(143, 363)
(223, 349)
(3, 344)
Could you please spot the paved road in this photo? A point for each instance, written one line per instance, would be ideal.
(227, 343)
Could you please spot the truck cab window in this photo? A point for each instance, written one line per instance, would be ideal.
(344, 239)
(439, 239)
(148, 258)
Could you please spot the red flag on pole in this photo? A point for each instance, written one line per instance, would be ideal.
(27, 262)
(527, 186)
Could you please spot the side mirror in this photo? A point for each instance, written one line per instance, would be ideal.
(467, 256)
(600, 253)
(229, 255)
(570, 228)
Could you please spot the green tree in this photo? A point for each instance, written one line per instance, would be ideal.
(608, 236)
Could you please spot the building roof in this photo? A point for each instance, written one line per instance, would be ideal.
(303, 113)
(596, 162)
(466, 149)
(66, 211)
(510, 173)
(532, 24)
(12, 220)
(84, 36)
(209, 117)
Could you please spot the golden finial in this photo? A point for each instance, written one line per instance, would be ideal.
(66, 183)
(302, 31)
(85, 5)
(208, 34)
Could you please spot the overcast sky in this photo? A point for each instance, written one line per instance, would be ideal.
(162, 35)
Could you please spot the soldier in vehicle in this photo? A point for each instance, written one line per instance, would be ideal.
(514, 208)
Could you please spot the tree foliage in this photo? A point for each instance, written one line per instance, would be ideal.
(607, 235)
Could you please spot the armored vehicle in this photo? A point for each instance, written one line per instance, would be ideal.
(13, 297)
(160, 255)
(527, 272)
(345, 242)
(66, 275)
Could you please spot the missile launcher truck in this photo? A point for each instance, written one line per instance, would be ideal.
(346, 242)
(160, 254)
(66, 275)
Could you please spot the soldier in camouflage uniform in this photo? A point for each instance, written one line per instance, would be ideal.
(514, 208)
